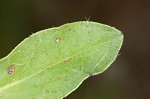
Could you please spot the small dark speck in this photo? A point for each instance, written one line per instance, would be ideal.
(47, 91)
(11, 69)
(70, 29)
(53, 91)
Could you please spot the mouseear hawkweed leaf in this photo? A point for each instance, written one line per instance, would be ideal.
(52, 63)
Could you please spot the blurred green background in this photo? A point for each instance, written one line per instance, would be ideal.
(129, 75)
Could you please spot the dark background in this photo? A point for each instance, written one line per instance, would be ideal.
(129, 75)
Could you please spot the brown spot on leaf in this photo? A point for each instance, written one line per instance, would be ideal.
(58, 40)
(10, 69)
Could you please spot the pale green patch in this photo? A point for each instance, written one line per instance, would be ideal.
(52, 63)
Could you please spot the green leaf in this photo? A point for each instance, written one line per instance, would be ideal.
(52, 63)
